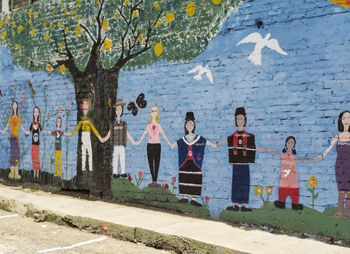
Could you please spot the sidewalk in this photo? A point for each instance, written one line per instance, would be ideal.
(206, 231)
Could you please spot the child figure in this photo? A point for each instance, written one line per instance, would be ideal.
(289, 176)
(35, 128)
(58, 145)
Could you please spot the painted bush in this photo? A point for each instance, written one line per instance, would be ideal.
(263, 57)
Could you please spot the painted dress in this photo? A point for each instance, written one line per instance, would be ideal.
(14, 122)
(342, 165)
(191, 156)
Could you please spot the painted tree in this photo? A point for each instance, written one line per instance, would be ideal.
(94, 40)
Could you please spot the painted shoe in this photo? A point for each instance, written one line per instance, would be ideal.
(116, 175)
(124, 175)
(183, 201)
(195, 203)
(339, 215)
(280, 204)
(297, 206)
(16, 175)
(234, 208)
(11, 175)
(246, 209)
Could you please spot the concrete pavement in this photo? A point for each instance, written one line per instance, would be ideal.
(233, 239)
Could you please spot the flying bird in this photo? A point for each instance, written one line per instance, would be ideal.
(260, 43)
(202, 70)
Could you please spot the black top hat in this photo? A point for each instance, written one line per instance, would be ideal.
(189, 116)
(240, 111)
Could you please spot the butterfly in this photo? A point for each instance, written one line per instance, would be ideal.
(139, 103)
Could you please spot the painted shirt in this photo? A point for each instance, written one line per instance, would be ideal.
(153, 131)
(289, 175)
(86, 126)
(34, 128)
(58, 139)
(191, 151)
(119, 133)
(15, 121)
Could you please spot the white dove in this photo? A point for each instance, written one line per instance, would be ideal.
(201, 70)
(255, 56)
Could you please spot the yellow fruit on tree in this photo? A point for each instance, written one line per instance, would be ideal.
(35, 14)
(61, 45)
(63, 68)
(59, 24)
(66, 29)
(159, 23)
(158, 49)
(45, 23)
(49, 67)
(135, 13)
(30, 21)
(156, 5)
(169, 17)
(139, 38)
(0, 24)
(17, 46)
(3, 35)
(77, 2)
(19, 28)
(53, 12)
(216, 1)
(6, 20)
(105, 24)
(117, 16)
(52, 26)
(47, 37)
(191, 9)
(77, 30)
(107, 45)
(33, 32)
(30, 12)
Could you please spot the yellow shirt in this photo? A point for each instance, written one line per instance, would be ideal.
(86, 126)
(15, 121)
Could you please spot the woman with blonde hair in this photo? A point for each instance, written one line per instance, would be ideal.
(153, 145)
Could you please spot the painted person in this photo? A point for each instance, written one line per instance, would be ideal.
(86, 125)
(241, 149)
(153, 145)
(191, 148)
(35, 128)
(58, 145)
(120, 135)
(14, 122)
(342, 164)
(289, 176)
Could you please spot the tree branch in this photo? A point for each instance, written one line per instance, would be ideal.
(88, 32)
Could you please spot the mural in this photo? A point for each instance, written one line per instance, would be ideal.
(72, 71)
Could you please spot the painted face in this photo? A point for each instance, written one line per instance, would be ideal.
(154, 112)
(14, 106)
(346, 119)
(58, 122)
(85, 106)
(190, 126)
(118, 111)
(290, 144)
(240, 121)
(36, 113)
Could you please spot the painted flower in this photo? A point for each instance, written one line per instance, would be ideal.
(258, 190)
(60, 110)
(191, 9)
(129, 178)
(269, 190)
(202, 198)
(156, 5)
(207, 198)
(169, 17)
(312, 182)
(166, 186)
(71, 96)
(140, 174)
(173, 179)
(69, 106)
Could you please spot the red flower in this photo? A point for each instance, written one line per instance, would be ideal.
(69, 106)
(129, 178)
(207, 198)
(71, 96)
(173, 179)
(92, 82)
(140, 174)
(166, 186)
(202, 198)
(60, 110)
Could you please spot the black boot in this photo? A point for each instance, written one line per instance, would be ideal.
(297, 206)
(280, 204)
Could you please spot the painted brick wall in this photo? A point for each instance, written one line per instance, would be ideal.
(300, 94)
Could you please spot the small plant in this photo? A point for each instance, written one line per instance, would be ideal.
(313, 183)
(205, 201)
(259, 191)
(173, 187)
(139, 179)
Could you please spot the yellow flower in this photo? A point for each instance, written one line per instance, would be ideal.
(126, 2)
(66, 29)
(158, 49)
(17, 46)
(19, 28)
(139, 38)
(135, 13)
(78, 17)
(105, 24)
(77, 2)
(61, 5)
(13, 33)
(59, 24)
(65, 12)
(4, 35)
(258, 190)
(35, 14)
(13, 24)
(74, 11)
(63, 68)
(45, 23)
(52, 26)
(30, 12)
(312, 182)
(61, 45)
(47, 37)
(169, 17)
(191, 9)
(33, 32)
(53, 12)
(107, 45)
(159, 23)
(77, 30)
(117, 16)
(6, 20)
(49, 67)
(156, 5)
(269, 190)
(30, 21)
(94, 21)
(0, 24)
(216, 2)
